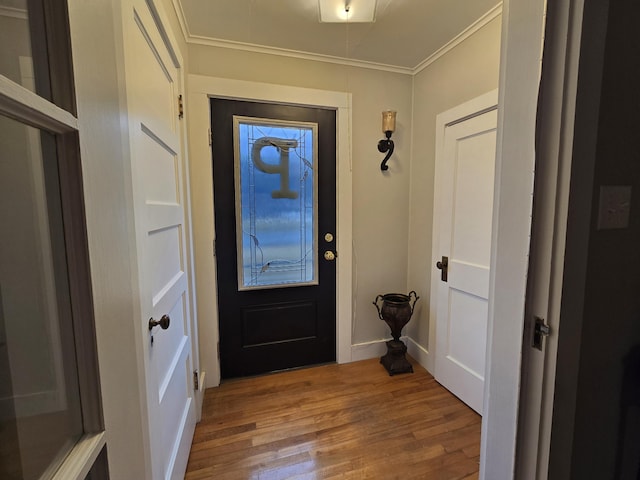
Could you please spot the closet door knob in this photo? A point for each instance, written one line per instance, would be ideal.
(443, 266)
(163, 322)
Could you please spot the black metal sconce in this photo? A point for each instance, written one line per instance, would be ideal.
(386, 144)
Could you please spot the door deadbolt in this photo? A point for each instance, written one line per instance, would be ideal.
(328, 237)
(443, 266)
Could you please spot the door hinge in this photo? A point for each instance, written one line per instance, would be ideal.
(180, 107)
(540, 330)
(210, 137)
(196, 382)
(214, 247)
(218, 349)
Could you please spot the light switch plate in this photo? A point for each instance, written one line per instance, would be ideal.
(615, 202)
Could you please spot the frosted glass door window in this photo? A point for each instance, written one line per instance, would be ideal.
(276, 202)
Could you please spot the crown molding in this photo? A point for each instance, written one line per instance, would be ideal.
(283, 52)
(495, 12)
(182, 19)
(13, 12)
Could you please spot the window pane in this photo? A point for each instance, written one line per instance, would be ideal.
(276, 207)
(23, 54)
(40, 417)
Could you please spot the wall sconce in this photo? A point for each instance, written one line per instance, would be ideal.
(386, 144)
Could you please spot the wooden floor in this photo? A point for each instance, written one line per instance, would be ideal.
(349, 421)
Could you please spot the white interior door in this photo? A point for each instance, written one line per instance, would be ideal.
(153, 87)
(465, 164)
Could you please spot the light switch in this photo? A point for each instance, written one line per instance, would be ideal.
(613, 211)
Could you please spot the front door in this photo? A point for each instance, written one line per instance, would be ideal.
(275, 216)
(465, 176)
(153, 89)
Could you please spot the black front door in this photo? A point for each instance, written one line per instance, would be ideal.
(274, 175)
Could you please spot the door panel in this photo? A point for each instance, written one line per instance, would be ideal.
(275, 199)
(467, 321)
(297, 319)
(465, 170)
(159, 201)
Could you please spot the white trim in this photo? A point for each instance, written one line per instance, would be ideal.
(18, 102)
(492, 14)
(377, 348)
(199, 393)
(81, 459)
(182, 19)
(520, 54)
(367, 350)
(420, 354)
(200, 90)
(284, 52)
(13, 12)
(160, 18)
(472, 108)
(192, 39)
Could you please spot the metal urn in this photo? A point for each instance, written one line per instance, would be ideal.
(396, 311)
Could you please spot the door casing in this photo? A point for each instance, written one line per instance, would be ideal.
(201, 89)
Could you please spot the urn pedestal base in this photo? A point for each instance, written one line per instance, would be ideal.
(394, 360)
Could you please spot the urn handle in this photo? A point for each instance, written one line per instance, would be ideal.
(415, 299)
(375, 302)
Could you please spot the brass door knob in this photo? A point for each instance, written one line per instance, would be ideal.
(329, 255)
(163, 322)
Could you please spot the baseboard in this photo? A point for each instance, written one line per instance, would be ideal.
(377, 348)
(419, 354)
(367, 350)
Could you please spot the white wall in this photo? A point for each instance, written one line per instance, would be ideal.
(465, 72)
(380, 201)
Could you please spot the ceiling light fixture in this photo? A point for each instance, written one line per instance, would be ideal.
(352, 11)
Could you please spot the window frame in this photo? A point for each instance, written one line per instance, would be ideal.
(87, 459)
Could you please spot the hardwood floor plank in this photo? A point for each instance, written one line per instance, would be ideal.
(348, 421)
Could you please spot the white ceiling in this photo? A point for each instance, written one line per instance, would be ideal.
(405, 33)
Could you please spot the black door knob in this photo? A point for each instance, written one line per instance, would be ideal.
(163, 322)
(443, 266)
